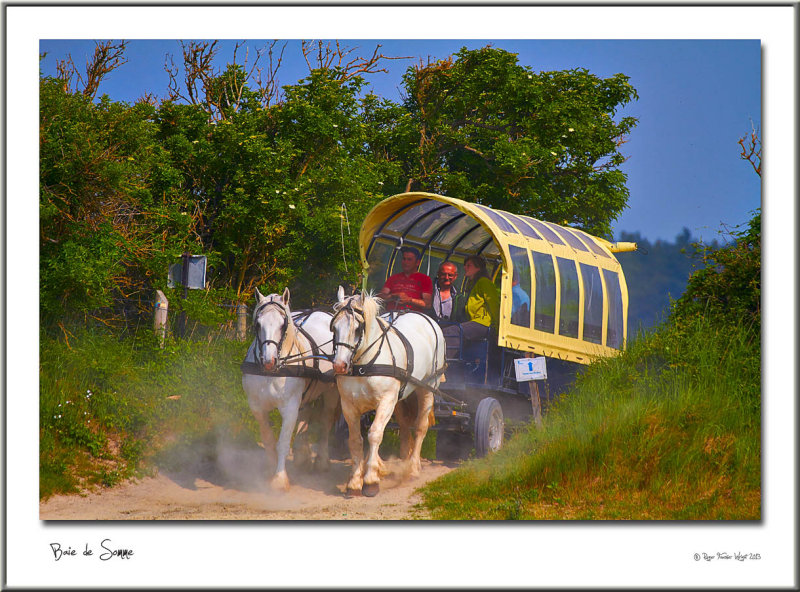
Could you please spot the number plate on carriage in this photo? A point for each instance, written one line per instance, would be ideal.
(530, 369)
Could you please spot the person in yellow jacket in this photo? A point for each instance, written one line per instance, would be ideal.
(482, 309)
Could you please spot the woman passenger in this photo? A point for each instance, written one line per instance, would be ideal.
(482, 308)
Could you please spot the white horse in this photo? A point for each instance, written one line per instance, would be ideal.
(279, 372)
(366, 348)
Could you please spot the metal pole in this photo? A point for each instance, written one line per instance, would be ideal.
(185, 282)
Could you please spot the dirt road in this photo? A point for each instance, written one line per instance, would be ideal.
(234, 488)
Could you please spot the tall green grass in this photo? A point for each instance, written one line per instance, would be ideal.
(670, 430)
(109, 405)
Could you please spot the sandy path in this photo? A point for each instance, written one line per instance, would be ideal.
(234, 489)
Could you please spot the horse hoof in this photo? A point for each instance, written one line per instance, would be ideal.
(370, 489)
(279, 484)
(352, 492)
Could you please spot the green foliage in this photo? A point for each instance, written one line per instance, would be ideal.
(728, 286)
(104, 214)
(484, 128)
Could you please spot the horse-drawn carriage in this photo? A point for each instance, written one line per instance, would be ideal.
(574, 307)
(570, 309)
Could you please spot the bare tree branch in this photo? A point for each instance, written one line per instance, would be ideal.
(751, 152)
(329, 57)
(108, 56)
(222, 92)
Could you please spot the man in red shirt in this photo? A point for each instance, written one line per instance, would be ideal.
(408, 289)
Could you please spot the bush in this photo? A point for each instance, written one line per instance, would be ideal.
(728, 287)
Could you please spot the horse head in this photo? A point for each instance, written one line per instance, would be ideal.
(352, 325)
(273, 328)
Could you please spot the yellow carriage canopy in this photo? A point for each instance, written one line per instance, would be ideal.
(562, 291)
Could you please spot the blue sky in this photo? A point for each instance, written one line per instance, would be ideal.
(696, 99)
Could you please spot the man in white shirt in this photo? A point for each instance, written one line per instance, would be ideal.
(445, 295)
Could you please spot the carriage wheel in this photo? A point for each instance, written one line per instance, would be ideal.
(488, 427)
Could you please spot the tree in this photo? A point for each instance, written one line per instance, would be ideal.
(106, 189)
(268, 184)
(486, 129)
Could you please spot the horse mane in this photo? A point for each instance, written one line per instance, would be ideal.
(372, 308)
(370, 305)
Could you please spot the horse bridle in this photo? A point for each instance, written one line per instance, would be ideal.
(261, 343)
(349, 307)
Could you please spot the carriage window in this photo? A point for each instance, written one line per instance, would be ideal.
(545, 307)
(524, 227)
(592, 244)
(614, 331)
(521, 287)
(430, 263)
(401, 223)
(473, 239)
(501, 222)
(570, 298)
(548, 234)
(428, 224)
(378, 259)
(573, 240)
(447, 234)
(592, 304)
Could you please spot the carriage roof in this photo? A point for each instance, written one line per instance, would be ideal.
(577, 290)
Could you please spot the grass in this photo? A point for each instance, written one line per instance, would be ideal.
(108, 406)
(668, 431)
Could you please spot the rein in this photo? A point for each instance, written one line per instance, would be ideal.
(291, 364)
(373, 369)
(261, 343)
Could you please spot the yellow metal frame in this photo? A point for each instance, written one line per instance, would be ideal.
(514, 336)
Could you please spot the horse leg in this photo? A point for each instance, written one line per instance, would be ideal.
(289, 419)
(267, 438)
(330, 401)
(356, 445)
(404, 414)
(302, 445)
(383, 414)
(424, 408)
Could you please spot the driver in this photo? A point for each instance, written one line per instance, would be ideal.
(408, 289)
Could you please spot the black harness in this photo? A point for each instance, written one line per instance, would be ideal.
(291, 365)
(371, 368)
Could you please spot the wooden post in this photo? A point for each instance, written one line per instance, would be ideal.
(160, 316)
(536, 403)
(241, 322)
